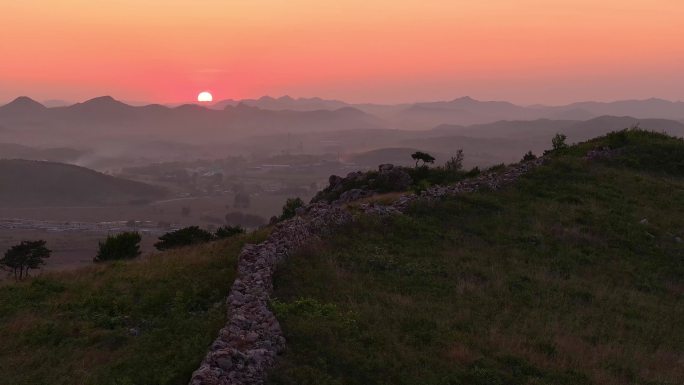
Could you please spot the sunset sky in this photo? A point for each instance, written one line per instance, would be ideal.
(525, 51)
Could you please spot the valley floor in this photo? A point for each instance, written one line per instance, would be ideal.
(73, 233)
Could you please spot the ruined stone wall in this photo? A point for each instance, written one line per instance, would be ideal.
(248, 345)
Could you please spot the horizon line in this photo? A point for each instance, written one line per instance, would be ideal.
(209, 105)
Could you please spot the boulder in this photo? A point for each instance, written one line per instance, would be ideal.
(355, 176)
(353, 195)
(385, 167)
(335, 181)
(393, 179)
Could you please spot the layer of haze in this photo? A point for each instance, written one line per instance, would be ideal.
(525, 51)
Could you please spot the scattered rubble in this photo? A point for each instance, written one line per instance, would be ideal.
(353, 195)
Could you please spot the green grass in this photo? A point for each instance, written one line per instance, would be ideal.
(80, 327)
(554, 280)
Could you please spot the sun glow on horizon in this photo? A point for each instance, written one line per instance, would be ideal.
(383, 51)
(205, 97)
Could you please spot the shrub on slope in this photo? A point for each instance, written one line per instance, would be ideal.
(124, 245)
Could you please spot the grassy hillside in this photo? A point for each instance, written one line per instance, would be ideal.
(140, 322)
(575, 275)
(26, 183)
(56, 154)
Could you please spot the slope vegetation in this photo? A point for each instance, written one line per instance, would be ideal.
(574, 275)
(37, 184)
(58, 154)
(140, 322)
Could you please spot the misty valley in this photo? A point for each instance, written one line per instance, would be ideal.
(244, 159)
(74, 174)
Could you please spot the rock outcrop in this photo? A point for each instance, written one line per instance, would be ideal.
(353, 195)
(248, 345)
(357, 185)
(487, 180)
(393, 178)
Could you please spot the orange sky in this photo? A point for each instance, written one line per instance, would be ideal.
(527, 51)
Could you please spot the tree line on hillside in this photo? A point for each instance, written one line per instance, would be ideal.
(20, 259)
(126, 245)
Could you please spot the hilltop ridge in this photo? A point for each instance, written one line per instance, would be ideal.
(567, 274)
(571, 275)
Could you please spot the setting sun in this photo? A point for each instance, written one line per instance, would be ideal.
(204, 97)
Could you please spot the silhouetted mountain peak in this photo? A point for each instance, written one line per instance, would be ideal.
(24, 102)
(22, 106)
(103, 107)
(190, 107)
(103, 101)
(154, 107)
(244, 107)
(465, 99)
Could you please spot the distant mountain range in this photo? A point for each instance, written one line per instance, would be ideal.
(287, 114)
(467, 110)
(106, 118)
(492, 131)
(284, 103)
(574, 129)
(484, 144)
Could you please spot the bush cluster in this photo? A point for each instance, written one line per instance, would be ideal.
(290, 208)
(194, 235)
(25, 256)
(125, 245)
